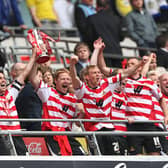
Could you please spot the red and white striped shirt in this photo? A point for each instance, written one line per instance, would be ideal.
(157, 112)
(97, 102)
(119, 102)
(8, 108)
(56, 106)
(139, 95)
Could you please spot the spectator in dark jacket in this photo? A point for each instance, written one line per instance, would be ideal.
(141, 26)
(108, 26)
(162, 52)
(82, 11)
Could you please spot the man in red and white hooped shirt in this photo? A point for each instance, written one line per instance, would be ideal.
(8, 108)
(118, 106)
(139, 92)
(58, 104)
(96, 96)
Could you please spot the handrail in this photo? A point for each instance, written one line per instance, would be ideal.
(78, 120)
(51, 133)
(87, 134)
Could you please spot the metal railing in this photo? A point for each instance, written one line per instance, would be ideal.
(87, 134)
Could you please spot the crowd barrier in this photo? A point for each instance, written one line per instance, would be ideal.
(83, 133)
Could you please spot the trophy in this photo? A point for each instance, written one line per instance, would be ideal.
(40, 40)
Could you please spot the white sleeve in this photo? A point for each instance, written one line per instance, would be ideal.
(114, 82)
(79, 93)
(15, 89)
(156, 92)
(44, 92)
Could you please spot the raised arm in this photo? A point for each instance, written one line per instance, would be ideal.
(101, 62)
(97, 47)
(21, 78)
(147, 60)
(75, 79)
(34, 79)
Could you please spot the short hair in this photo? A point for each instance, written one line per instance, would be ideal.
(161, 40)
(132, 1)
(1, 71)
(79, 45)
(83, 73)
(60, 71)
(151, 73)
(165, 73)
(137, 58)
(103, 3)
(45, 69)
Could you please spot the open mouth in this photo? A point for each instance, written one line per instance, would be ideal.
(65, 86)
(3, 85)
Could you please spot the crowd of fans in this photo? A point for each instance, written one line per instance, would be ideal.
(91, 88)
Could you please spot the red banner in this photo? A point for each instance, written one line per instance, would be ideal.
(36, 145)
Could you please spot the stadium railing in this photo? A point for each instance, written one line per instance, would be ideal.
(84, 133)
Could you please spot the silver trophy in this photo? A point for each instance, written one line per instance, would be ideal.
(43, 56)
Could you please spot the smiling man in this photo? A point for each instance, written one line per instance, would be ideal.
(58, 103)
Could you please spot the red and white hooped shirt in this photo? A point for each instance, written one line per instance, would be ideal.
(139, 96)
(8, 108)
(97, 102)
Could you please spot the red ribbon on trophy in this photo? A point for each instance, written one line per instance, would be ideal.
(40, 39)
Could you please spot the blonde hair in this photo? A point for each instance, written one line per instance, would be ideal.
(60, 71)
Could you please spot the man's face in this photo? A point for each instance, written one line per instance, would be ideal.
(133, 62)
(137, 4)
(83, 53)
(164, 83)
(63, 82)
(18, 69)
(154, 77)
(48, 78)
(2, 84)
(94, 76)
(153, 64)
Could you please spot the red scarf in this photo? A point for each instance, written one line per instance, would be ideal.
(62, 140)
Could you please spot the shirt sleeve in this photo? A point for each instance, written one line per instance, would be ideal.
(156, 92)
(114, 82)
(79, 93)
(15, 89)
(43, 92)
